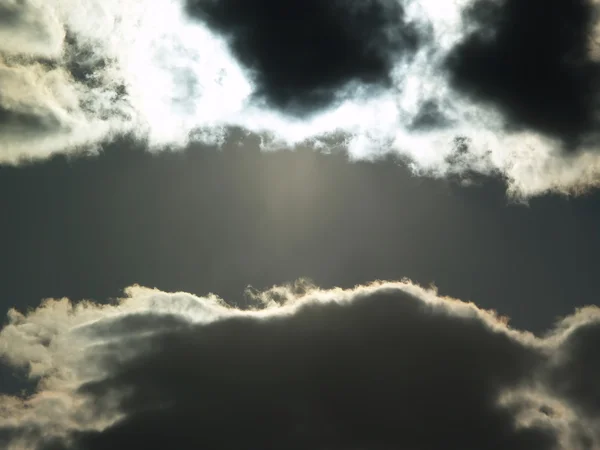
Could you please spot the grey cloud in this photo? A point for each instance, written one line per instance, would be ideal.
(30, 27)
(392, 76)
(532, 61)
(43, 109)
(575, 366)
(430, 116)
(57, 91)
(302, 55)
(382, 366)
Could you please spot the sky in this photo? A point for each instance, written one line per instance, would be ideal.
(301, 224)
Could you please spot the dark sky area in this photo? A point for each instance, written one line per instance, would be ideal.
(208, 220)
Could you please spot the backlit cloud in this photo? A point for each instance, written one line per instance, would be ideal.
(389, 364)
(405, 78)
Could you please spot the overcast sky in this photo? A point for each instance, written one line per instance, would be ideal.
(300, 224)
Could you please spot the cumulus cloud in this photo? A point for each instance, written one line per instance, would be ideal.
(301, 54)
(43, 110)
(516, 88)
(31, 28)
(388, 365)
(533, 61)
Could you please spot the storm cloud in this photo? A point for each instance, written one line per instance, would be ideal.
(380, 366)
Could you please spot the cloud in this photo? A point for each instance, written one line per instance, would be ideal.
(301, 55)
(30, 27)
(403, 79)
(532, 60)
(381, 366)
(43, 110)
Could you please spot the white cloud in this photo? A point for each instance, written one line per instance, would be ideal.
(30, 27)
(181, 83)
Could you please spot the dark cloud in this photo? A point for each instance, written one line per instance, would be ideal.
(27, 121)
(9, 15)
(429, 116)
(577, 364)
(364, 375)
(379, 71)
(532, 60)
(384, 366)
(302, 54)
(389, 366)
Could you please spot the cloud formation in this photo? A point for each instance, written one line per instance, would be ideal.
(302, 55)
(410, 77)
(381, 366)
(533, 61)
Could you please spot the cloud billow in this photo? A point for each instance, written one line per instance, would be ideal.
(301, 55)
(382, 366)
(517, 81)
